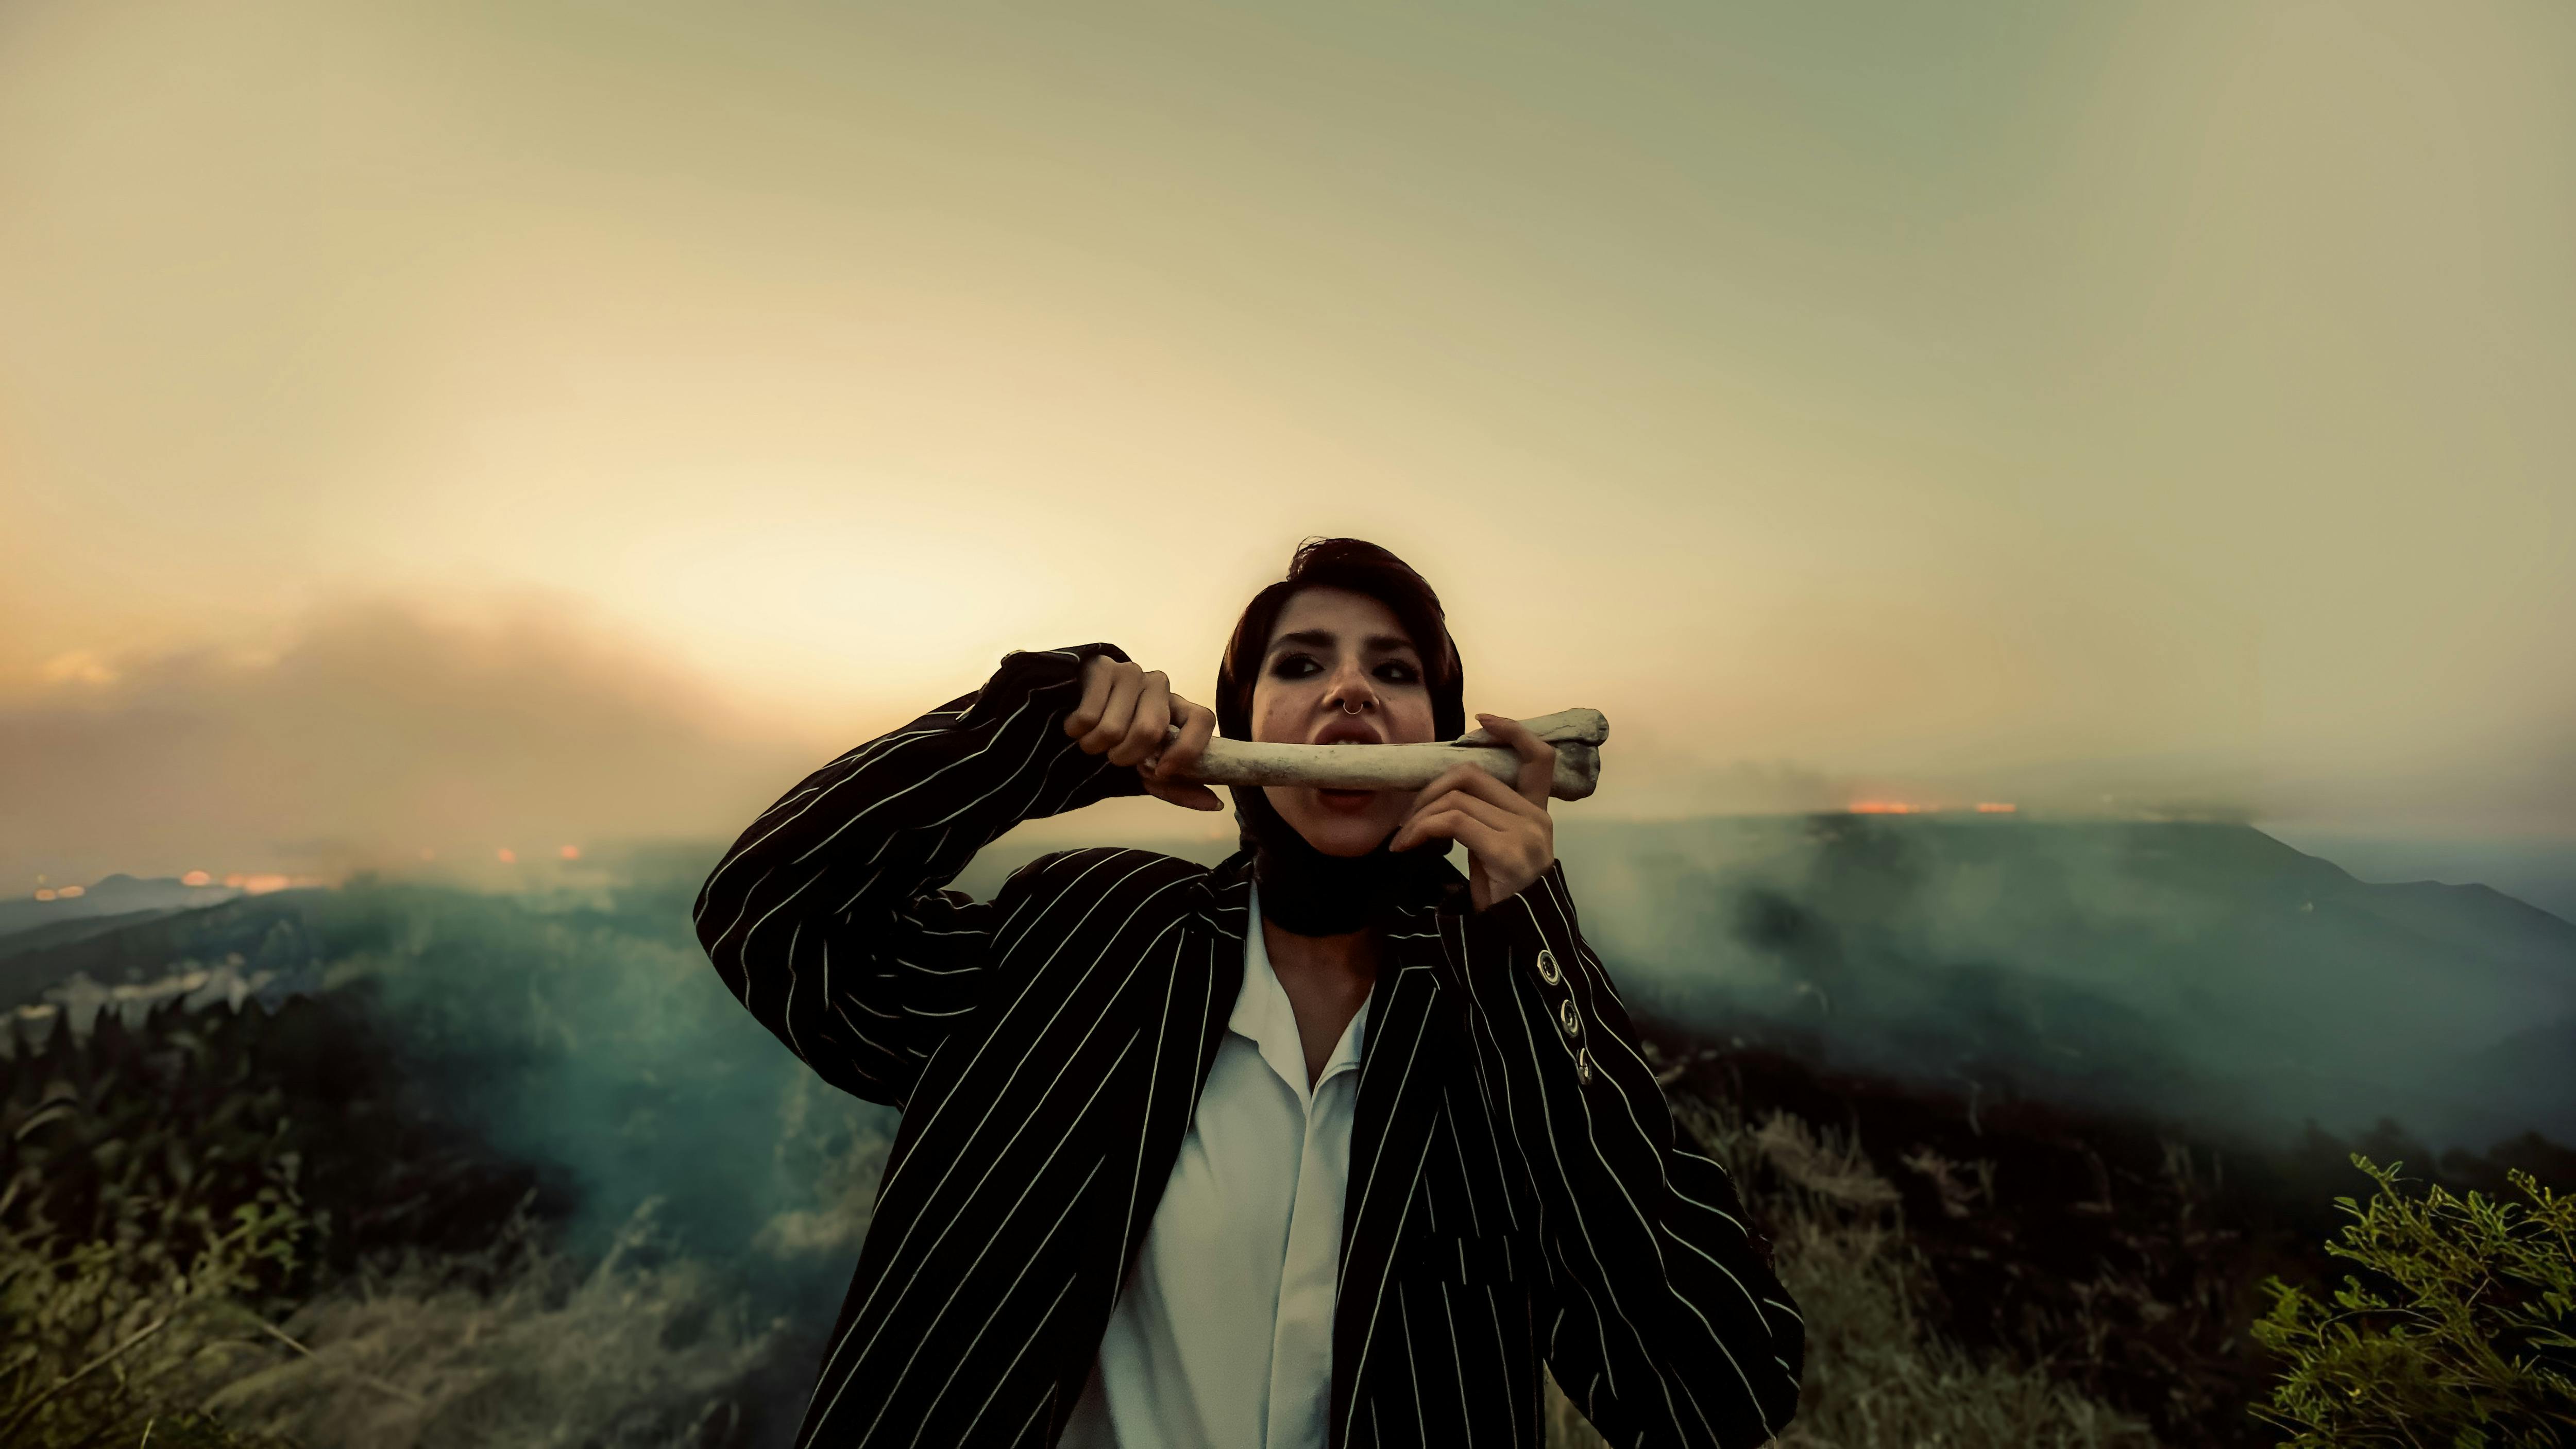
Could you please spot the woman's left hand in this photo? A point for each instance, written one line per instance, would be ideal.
(1510, 838)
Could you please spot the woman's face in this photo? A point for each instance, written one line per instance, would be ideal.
(1332, 650)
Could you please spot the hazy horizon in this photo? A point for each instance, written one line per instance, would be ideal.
(460, 428)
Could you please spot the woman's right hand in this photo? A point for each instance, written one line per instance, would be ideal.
(1127, 711)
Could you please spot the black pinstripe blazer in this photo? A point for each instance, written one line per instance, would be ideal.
(1516, 1189)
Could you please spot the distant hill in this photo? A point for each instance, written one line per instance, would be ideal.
(2205, 968)
(2200, 970)
(246, 935)
(117, 895)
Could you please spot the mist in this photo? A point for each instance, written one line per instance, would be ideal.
(377, 733)
(2201, 972)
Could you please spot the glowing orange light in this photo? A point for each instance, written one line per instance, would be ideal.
(71, 893)
(44, 895)
(1882, 807)
(260, 885)
(507, 855)
(1995, 807)
(195, 878)
(570, 852)
(428, 854)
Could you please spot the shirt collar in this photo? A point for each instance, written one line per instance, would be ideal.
(1263, 1016)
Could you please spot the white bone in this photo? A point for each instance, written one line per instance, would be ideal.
(1576, 733)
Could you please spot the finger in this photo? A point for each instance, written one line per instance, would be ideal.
(1095, 695)
(1434, 796)
(1126, 681)
(1182, 792)
(1467, 782)
(1538, 757)
(1483, 841)
(1145, 727)
(1483, 812)
(1456, 777)
(1181, 756)
(1477, 783)
(1495, 813)
(1159, 763)
(1482, 785)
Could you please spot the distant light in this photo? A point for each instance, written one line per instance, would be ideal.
(71, 893)
(1996, 807)
(1883, 807)
(507, 855)
(570, 852)
(259, 885)
(43, 894)
(428, 854)
(196, 878)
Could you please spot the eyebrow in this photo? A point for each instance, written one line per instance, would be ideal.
(1326, 639)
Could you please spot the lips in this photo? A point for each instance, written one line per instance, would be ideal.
(1345, 729)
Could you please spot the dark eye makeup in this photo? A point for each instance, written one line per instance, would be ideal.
(1299, 666)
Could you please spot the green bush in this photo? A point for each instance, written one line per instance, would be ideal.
(105, 1343)
(2464, 1342)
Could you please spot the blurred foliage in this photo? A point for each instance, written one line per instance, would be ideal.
(2460, 1337)
(150, 1138)
(100, 1341)
(1879, 1374)
(517, 1346)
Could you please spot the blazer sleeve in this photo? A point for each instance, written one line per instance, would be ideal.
(829, 919)
(1667, 1324)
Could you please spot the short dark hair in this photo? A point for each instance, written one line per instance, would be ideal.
(1362, 568)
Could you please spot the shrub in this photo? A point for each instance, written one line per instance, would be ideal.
(2460, 1339)
(105, 1343)
(1878, 1375)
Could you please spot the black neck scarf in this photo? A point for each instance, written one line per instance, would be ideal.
(1314, 894)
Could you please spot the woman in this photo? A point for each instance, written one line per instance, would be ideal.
(1327, 1145)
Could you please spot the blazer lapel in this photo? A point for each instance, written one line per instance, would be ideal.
(1404, 1062)
(1197, 1001)
(1403, 1065)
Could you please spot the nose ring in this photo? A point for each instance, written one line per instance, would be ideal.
(1349, 708)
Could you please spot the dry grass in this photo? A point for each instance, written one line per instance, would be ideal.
(106, 1343)
(1877, 1376)
(100, 1343)
(510, 1348)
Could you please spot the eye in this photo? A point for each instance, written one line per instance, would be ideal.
(1396, 671)
(1292, 666)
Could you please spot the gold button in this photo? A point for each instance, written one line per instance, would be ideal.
(1565, 1014)
(1547, 971)
(1583, 1066)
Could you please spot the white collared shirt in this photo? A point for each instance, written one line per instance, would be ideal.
(1223, 1336)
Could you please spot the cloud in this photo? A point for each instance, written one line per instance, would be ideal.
(376, 730)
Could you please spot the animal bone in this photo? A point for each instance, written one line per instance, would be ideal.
(1576, 733)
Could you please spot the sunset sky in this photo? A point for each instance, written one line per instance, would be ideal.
(460, 423)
